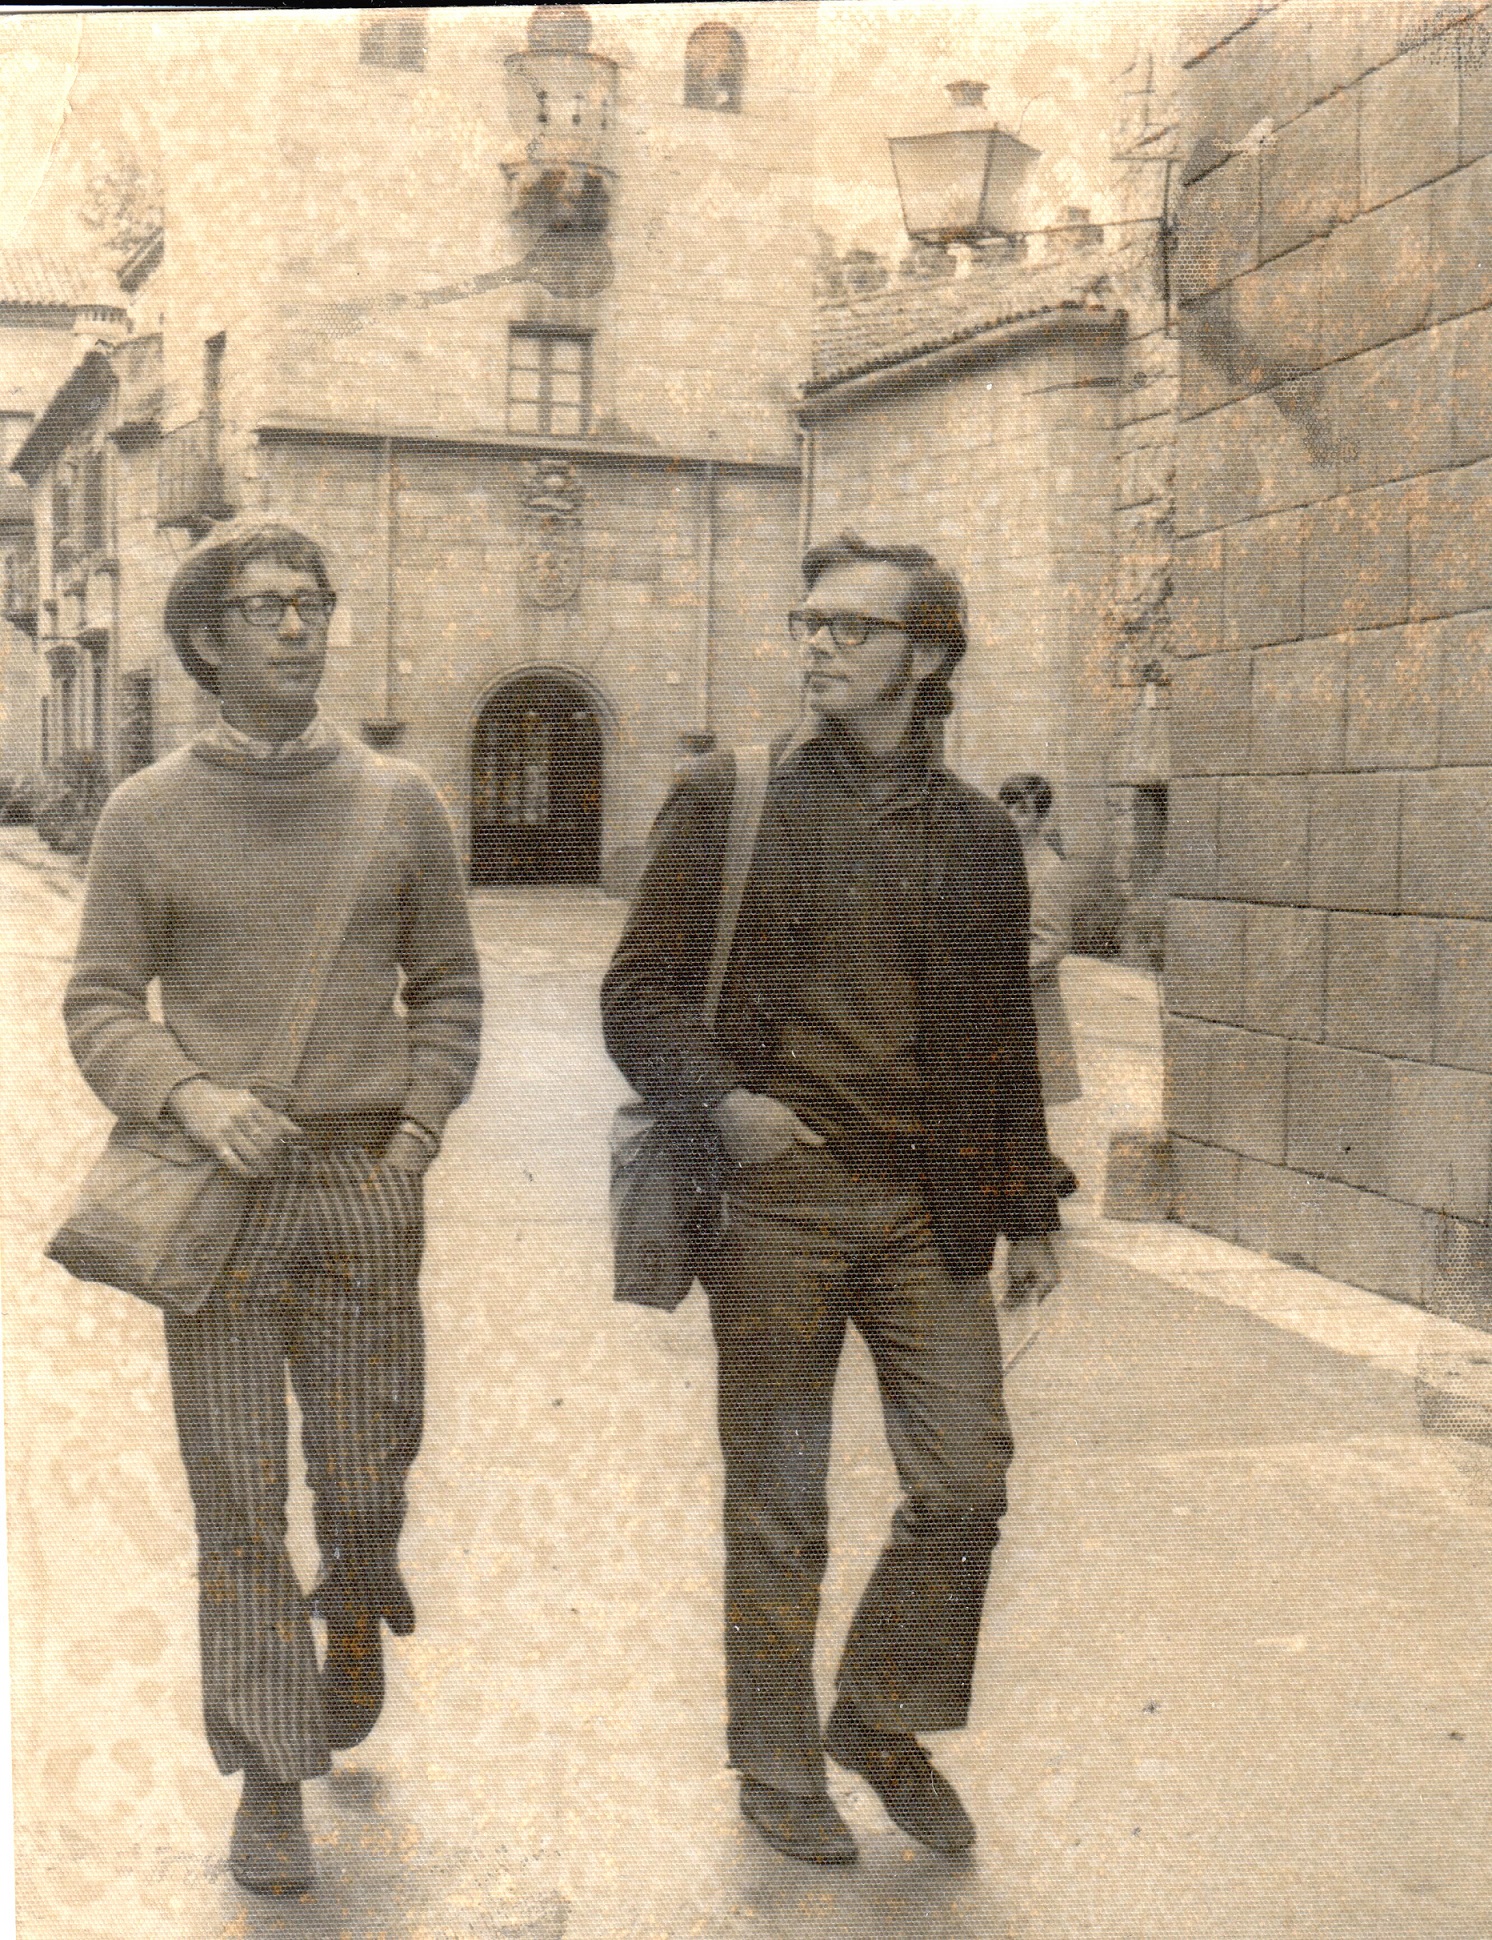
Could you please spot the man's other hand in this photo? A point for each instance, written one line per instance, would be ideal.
(754, 1128)
(238, 1128)
(1031, 1270)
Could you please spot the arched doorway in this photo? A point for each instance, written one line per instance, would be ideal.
(536, 784)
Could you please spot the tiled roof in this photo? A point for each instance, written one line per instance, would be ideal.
(48, 279)
(909, 318)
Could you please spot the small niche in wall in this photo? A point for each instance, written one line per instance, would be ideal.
(715, 69)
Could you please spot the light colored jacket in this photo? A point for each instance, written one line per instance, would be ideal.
(1051, 940)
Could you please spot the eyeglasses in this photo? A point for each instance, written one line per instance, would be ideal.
(846, 630)
(312, 608)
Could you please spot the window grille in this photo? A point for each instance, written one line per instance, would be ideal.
(549, 382)
(98, 703)
(62, 519)
(95, 533)
(139, 720)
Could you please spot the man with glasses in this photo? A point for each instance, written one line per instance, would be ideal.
(873, 1084)
(207, 874)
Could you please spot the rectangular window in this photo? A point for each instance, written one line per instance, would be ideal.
(1150, 833)
(392, 37)
(98, 706)
(139, 720)
(549, 383)
(62, 520)
(95, 536)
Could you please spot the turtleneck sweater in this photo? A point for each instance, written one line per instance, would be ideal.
(206, 876)
(847, 1051)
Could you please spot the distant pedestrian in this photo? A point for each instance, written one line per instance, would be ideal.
(1028, 800)
(871, 1080)
(207, 875)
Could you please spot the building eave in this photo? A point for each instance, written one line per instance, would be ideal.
(822, 397)
(143, 261)
(654, 457)
(75, 404)
(44, 279)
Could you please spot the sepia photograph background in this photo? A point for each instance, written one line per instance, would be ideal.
(566, 331)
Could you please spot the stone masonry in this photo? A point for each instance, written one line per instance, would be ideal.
(976, 415)
(1329, 938)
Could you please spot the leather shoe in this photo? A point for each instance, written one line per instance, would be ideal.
(802, 1828)
(269, 1851)
(915, 1794)
(352, 1678)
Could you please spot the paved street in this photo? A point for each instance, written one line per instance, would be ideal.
(1234, 1678)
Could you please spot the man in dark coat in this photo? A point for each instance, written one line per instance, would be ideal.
(872, 1085)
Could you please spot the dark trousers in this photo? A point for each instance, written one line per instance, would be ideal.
(323, 1281)
(810, 1246)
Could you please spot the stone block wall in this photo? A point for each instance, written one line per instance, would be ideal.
(669, 636)
(1329, 938)
(1008, 464)
(1141, 647)
(373, 183)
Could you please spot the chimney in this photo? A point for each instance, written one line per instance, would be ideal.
(1077, 231)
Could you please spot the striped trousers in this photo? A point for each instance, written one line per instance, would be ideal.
(323, 1281)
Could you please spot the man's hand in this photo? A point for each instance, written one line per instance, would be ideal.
(1031, 1270)
(754, 1128)
(237, 1127)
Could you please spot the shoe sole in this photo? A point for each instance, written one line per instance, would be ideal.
(815, 1856)
(274, 1889)
(287, 1877)
(282, 1884)
(944, 1847)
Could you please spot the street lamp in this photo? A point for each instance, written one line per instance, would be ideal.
(963, 183)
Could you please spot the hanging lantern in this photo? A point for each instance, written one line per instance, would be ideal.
(964, 183)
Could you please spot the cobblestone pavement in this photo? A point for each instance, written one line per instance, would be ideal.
(1234, 1679)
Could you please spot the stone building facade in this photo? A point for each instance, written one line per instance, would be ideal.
(1013, 408)
(976, 416)
(562, 504)
(51, 311)
(1329, 947)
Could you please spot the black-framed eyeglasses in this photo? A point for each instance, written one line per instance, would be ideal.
(847, 630)
(313, 607)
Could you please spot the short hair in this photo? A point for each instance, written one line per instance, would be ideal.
(937, 612)
(1034, 789)
(209, 569)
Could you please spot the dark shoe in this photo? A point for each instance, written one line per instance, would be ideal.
(915, 1794)
(269, 1851)
(378, 1586)
(803, 1828)
(1064, 1179)
(352, 1678)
